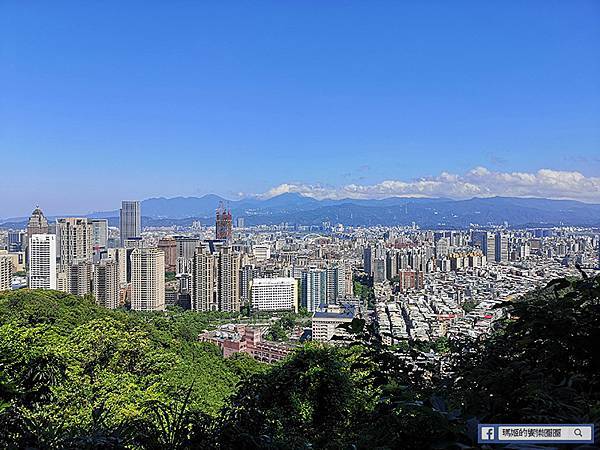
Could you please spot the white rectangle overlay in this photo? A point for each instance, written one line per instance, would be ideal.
(536, 433)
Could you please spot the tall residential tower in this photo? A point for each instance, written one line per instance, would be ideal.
(147, 279)
(42, 261)
(5, 272)
(106, 283)
(74, 241)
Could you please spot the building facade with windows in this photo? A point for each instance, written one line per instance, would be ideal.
(42, 261)
(275, 294)
(147, 279)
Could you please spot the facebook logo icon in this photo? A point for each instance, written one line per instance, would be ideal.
(487, 433)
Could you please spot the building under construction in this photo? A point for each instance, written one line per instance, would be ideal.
(223, 223)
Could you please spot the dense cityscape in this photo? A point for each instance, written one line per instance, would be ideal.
(417, 285)
(300, 225)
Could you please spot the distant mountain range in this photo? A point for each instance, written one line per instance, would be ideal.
(426, 212)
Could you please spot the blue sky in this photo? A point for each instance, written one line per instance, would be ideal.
(101, 101)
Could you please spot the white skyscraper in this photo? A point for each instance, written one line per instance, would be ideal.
(147, 279)
(42, 261)
(274, 294)
(131, 220)
(314, 289)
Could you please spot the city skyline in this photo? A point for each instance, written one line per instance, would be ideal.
(325, 225)
(356, 101)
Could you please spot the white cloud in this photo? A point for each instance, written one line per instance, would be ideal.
(478, 182)
(308, 190)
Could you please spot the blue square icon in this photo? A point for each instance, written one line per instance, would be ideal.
(487, 433)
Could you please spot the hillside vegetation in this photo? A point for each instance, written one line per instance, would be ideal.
(73, 375)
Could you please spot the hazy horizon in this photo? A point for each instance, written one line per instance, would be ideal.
(74, 213)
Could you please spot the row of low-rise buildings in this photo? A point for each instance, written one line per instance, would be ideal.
(426, 251)
(241, 338)
(459, 303)
(429, 284)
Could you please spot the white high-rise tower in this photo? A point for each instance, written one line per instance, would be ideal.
(42, 261)
(147, 279)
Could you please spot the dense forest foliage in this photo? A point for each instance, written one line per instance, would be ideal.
(73, 375)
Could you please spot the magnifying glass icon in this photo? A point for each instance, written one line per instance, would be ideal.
(577, 432)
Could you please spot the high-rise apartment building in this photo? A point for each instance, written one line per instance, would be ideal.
(169, 246)
(106, 283)
(247, 274)
(147, 279)
(314, 289)
(216, 279)
(336, 283)
(228, 280)
(74, 240)
(185, 250)
(223, 228)
(131, 220)
(42, 261)
(379, 270)
(79, 277)
(410, 279)
(119, 255)
(275, 294)
(368, 260)
(391, 265)
(99, 234)
(501, 247)
(204, 296)
(486, 241)
(5, 272)
(186, 246)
